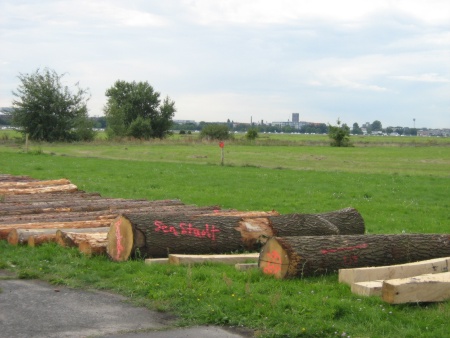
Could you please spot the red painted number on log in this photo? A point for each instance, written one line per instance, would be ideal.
(274, 263)
(349, 248)
(119, 237)
(187, 229)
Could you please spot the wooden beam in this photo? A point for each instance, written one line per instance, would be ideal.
(425, 288)
(225, 259)
(151, 261)
(436, 265)
(372, 288)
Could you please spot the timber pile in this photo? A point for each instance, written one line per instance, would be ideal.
(157, 235)
(423, 281)
(34, 212)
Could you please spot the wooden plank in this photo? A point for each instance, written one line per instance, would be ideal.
(246, 266)
(151, 261)
(226, 259)
(425, 288)
(436, 265)
(371, 288)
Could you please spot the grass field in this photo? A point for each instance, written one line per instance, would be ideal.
(396, 187)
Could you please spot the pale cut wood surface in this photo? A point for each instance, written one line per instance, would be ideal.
(226, 259)
(436, 265)
(371, 288)
(425, 288)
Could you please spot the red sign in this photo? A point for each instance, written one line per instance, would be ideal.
(221, 144)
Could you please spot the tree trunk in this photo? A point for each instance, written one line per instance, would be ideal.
(152, 235)
(33, 184)
(5, 230)
(39, 190)
(288, 257)
(56, 196)
(70, 239)
(86, 205)
(37, 239)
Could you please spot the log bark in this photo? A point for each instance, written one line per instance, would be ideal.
(56, 196)
(154, 235)
(87, 206)
(296, 257)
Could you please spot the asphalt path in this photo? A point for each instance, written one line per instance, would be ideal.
(33, 308)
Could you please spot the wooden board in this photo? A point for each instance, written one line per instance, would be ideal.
(226, 259)
(371, 288)
(436, 265)
(157, 261)
(425, 288)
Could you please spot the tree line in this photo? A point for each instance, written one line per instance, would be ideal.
(47, 110)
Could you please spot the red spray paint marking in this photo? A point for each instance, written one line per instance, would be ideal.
(349, 248)
(118, 239)
(187, 229)
(274, 265)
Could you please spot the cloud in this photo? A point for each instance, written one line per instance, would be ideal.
(429, 77)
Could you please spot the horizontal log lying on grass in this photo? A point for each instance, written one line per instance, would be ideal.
(39, 190)
(155, 235)
(5, 230)
(289, 257)
(32, 184)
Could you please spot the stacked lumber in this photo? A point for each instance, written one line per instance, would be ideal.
(422, 281)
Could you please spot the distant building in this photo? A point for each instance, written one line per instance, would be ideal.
(295, 117)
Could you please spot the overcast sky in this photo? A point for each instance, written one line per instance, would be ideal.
(357, 60)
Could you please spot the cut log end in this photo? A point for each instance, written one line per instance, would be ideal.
(273, 259)
(120, 239)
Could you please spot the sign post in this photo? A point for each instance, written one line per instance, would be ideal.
(221, 145)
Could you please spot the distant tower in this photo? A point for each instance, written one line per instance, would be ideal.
(295, 117)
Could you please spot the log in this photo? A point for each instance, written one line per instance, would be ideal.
(154, 235)
(40, 239)
(93, 246)
(425, 288)
(86, 205)
(5, 230)
(70, 239)
(55, 196)
(39, 190)
(437, 265)
(290, 257)
(33, 184)
(21, 236)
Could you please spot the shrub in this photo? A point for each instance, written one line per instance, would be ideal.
(215, 132)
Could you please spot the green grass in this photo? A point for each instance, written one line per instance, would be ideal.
(395, 189)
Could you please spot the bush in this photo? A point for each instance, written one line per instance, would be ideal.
(339, 135)
(215, 132)
(140, 128)
(251, 134)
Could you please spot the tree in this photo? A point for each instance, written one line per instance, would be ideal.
(339, 135)
(128, 101)
(356, 130)
(376, 126)
(215, 132)
(48, 111)
(252, 134)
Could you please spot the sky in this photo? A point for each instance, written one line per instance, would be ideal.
(244, 60)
